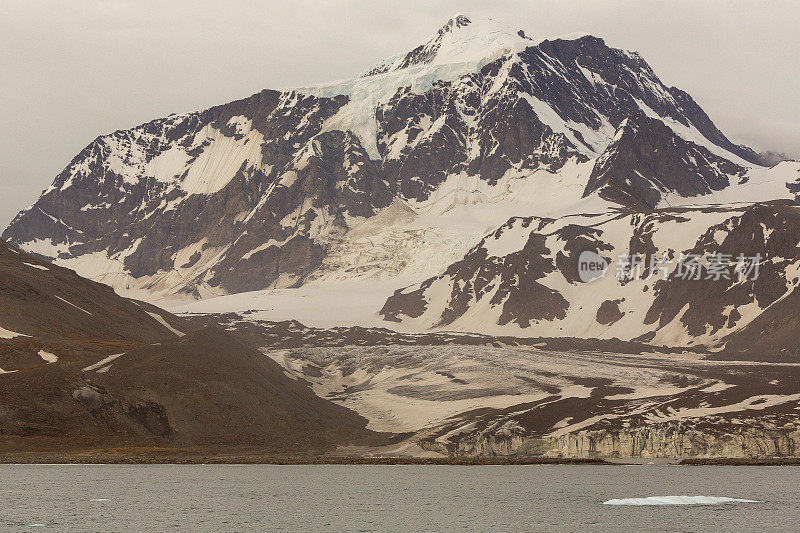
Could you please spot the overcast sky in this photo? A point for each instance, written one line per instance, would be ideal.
(71, 70)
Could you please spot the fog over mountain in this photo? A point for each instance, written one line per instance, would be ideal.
(91, 71)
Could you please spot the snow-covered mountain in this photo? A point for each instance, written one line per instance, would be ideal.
(524, 278)
(397, 175)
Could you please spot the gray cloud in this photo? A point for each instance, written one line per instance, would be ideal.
(70, 71)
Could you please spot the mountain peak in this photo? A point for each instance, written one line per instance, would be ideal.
(462, 39)
(262, 192)
(459, 21)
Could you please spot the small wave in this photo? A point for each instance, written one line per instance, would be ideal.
(677, 500)
(99, 500)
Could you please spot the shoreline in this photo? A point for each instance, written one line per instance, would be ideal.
(722, 461)
(155, 457)
(200, 459)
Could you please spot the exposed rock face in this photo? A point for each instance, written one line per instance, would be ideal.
(755, 438)
(609, 312)
(699, 438)
(647, 161)
(256, 193)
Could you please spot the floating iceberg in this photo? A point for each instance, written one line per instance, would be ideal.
(677, 500)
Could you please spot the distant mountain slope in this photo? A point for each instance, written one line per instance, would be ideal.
(524, 279)
(262, 192)
(81, 368)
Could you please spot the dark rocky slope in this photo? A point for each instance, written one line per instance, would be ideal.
(646, 161)
(111, 375)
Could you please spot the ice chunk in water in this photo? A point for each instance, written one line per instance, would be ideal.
(677, 500)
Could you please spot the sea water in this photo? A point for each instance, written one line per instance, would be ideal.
(398, 498)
